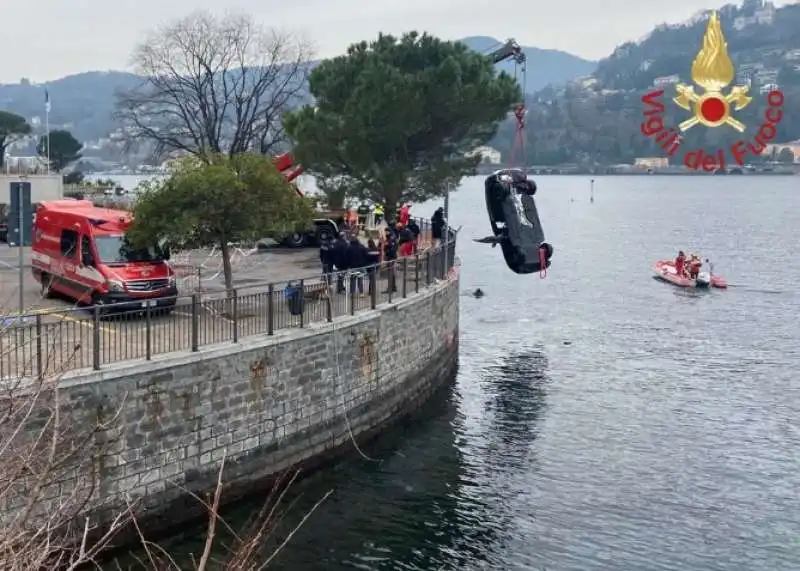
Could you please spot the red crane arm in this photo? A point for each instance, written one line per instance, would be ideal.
(286, 166)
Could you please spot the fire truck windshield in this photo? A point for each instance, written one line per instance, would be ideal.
(117, 250)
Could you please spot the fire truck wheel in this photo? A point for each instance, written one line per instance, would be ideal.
(45, 279)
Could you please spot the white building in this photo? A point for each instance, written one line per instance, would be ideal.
(665, 80)
(764, 15)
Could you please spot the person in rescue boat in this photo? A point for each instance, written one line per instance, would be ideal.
(694, 266)
(680, 263)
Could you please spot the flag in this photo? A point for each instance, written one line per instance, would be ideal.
(46, 100)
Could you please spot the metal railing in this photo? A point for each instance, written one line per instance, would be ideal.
(48, 343)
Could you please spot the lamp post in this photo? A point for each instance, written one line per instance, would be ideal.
(446, 227)
(21, 243)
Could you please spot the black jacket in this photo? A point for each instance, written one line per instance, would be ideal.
(390, 246)
(356, 255)
(413, 227)
(406, 235)
(340, 254)
(437, 225)
(326, 253)
(373, 256)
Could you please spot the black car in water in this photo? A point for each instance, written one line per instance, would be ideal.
(515, 221)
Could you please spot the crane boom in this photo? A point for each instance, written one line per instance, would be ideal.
(510, 50)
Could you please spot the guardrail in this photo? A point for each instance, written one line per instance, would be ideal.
(48, 343)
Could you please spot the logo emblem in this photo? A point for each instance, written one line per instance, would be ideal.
(712, 70)
(145, 272)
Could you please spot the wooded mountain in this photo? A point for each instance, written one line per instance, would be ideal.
(84, 103)
(597, 120)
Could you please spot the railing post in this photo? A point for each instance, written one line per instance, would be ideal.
(373, 287)
(96, 337)
(404, 288)
(148, 347)
(235, 306)
(271, 309)
(416, 272)
(428, 268)
(39, 356)
(328, 302)
(195, 322)
(302, 302)
(352, 294)
(392, 282)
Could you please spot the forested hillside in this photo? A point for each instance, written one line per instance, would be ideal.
(598, 120)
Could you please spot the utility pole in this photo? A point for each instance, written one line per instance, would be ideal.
(21, 243)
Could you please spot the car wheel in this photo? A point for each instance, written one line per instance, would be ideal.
(296, 240)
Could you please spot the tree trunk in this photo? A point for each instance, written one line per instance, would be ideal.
(391, 196)
(227, 271)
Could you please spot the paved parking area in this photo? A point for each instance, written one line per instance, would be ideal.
(52, 341)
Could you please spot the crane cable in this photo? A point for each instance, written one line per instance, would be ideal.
(518, 146)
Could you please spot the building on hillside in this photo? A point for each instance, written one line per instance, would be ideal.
(792, 55)
(793, 146)
(765, 15)
(488, 154)
(666, 80)
(764, 89)
(651, 162)
(766, 76)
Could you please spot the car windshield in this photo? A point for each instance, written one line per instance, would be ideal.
(117, 250)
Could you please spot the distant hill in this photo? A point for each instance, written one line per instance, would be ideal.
(545, 67)
(84, 103)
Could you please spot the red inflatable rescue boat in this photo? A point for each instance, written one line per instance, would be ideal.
(665, 270)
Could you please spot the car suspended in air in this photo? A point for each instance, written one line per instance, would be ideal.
(512, 211)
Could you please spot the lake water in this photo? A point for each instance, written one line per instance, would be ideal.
(600, 420)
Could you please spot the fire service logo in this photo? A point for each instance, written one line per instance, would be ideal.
(712, 72)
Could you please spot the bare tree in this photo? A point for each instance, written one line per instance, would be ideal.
(214, 85)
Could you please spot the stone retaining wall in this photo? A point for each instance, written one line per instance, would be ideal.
(264, 404)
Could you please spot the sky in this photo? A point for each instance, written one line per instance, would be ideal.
(48, 39)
